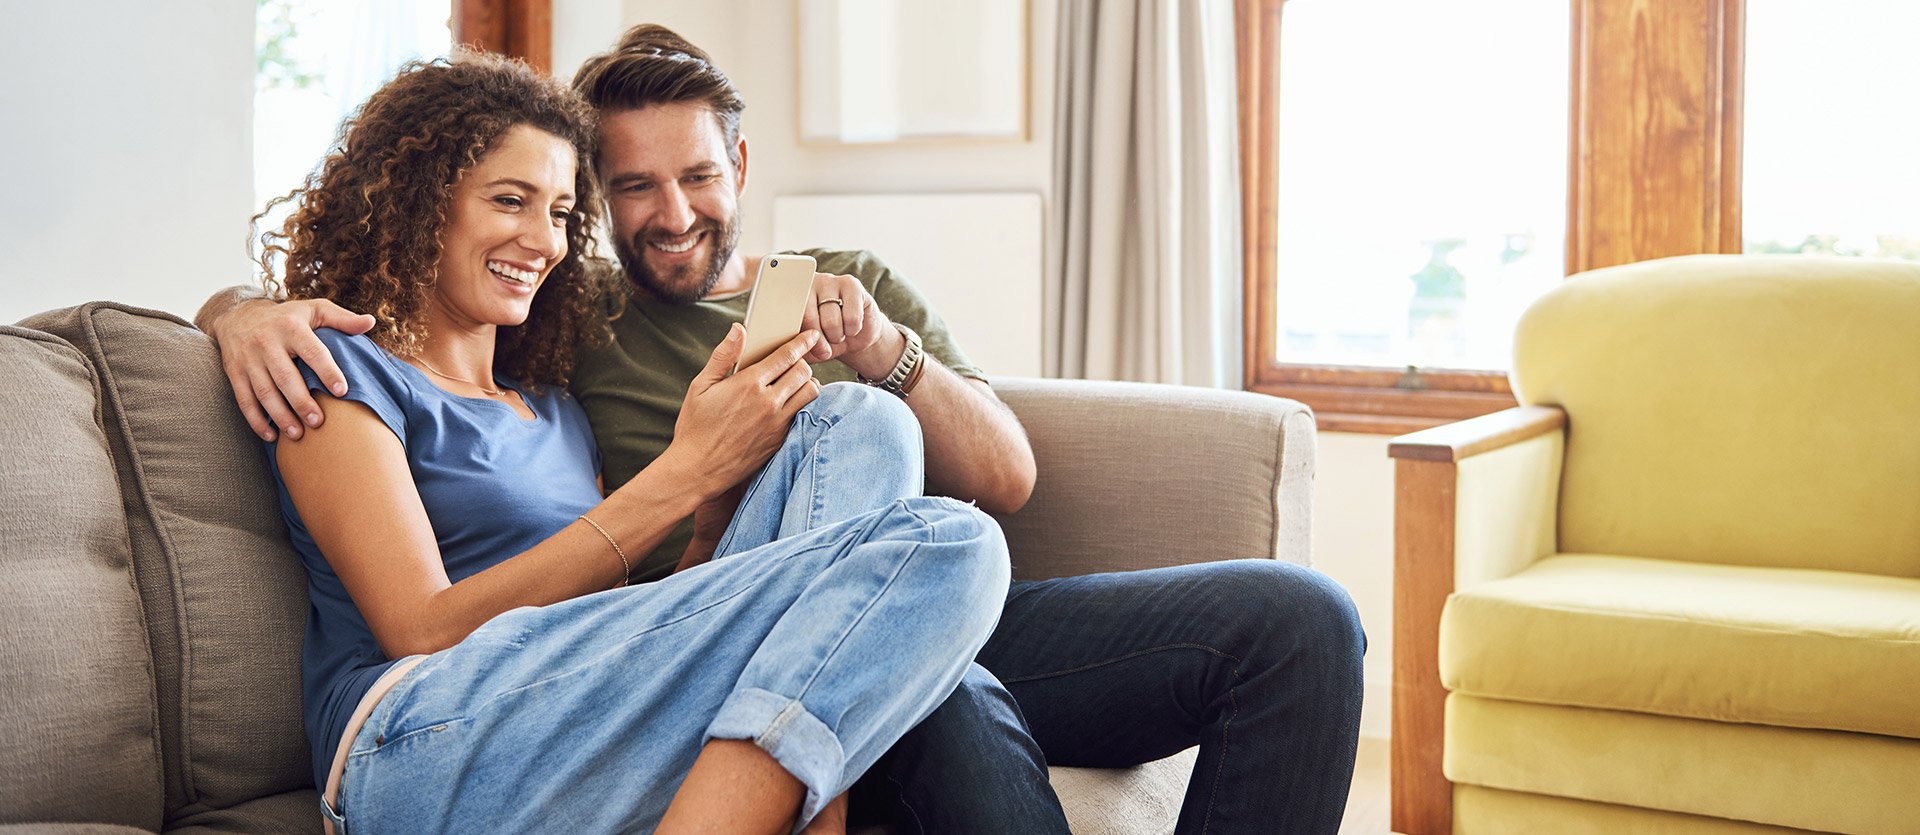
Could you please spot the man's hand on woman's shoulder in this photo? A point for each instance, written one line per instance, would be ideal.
(259, 339)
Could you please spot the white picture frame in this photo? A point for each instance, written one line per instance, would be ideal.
(887, 71)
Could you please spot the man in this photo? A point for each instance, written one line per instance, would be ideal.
(1255, 661)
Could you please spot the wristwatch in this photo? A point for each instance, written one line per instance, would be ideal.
(906, 373)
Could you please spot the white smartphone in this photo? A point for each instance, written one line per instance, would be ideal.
(778, 305)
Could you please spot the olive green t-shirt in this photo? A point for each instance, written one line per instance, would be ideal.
(632, 387)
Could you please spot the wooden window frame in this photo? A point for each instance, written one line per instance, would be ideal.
(520, 29)
(1644, 181)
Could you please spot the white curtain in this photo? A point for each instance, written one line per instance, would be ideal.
(1144, 248)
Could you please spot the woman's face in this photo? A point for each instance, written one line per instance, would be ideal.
(506, 228)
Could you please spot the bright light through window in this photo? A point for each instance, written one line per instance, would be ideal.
(316, 62)
(1422, 177)
(1832, 153)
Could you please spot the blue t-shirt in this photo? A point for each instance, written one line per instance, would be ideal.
(494, 484)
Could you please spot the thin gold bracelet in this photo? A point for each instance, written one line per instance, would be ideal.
(626, 569)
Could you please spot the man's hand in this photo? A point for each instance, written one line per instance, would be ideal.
(854, 330)
(258, 340)
(730, 425)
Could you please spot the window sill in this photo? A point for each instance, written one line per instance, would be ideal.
(1378, 401)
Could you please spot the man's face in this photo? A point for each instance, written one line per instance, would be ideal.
(673, 197)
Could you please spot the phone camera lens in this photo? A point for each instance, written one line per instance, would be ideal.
(776, 262)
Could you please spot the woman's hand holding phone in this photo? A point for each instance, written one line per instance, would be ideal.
(731, 423)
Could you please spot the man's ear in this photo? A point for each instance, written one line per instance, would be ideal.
(740, 177)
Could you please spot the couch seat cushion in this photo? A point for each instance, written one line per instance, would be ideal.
(1791, 647)
(1824, 781)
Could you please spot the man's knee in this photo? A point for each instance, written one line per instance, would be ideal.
(980, 706)
(1276, 606)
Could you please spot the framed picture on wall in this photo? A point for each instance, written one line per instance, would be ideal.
(876, 71)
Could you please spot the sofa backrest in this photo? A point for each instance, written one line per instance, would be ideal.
(224, 595)
(78, 736)
(1753, 410)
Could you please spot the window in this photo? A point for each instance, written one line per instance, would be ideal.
(1416, 173)
(1831, 161)
(316, 62)
(1422, 178)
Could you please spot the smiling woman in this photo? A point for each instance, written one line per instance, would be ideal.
(391, 174)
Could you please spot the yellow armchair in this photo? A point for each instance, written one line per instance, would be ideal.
(1678, 588)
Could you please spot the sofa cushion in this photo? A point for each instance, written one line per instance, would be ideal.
(77, 731)
(1142, 800)
(1774, 646)
(289, 813)
(225, 596)
(1745, 409)
(1825, 781)
(1478, 810)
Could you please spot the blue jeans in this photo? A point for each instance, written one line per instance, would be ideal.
(1255, 661)
(823, 647)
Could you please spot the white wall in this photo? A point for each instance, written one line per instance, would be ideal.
(753, 41)
(126, 152)
(1353, 544)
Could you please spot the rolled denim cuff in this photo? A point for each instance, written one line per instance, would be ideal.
(794, 737)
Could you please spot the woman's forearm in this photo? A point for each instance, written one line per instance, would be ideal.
(577, 560)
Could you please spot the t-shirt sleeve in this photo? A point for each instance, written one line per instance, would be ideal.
(372, 379)
(904, 303)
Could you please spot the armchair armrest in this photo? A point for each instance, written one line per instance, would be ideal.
(1473, 501)
(1133, 475)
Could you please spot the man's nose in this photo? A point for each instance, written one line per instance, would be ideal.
(676, 211)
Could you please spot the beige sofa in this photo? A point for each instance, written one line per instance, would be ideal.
(151, 611)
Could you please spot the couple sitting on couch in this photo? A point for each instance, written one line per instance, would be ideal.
(736, 606)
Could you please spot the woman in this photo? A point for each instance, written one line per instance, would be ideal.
(474, 659)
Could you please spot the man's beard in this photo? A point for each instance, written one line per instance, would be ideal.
(686, 283)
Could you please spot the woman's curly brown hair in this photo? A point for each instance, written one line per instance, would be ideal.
(365, 230)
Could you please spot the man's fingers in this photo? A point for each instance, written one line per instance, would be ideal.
(318, 358)
(250, 406)
(268, 396)
(326, 314)
(858, 315)
(293, 387)
(833, 314)
(810, 318)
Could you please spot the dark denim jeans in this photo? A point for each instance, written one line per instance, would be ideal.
(1256, 661)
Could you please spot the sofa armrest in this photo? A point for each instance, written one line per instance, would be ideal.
(1133, 475)
(1473, 501)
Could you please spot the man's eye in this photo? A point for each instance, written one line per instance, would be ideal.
(635, 187)
(701, 179)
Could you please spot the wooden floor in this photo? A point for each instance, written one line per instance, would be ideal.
(1367, 802)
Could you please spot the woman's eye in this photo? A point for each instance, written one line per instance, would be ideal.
(508, 200)
(563, 215)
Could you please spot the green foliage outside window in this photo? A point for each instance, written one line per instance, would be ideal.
(276, 67)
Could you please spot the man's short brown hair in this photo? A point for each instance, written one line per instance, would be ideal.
(653, 65)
